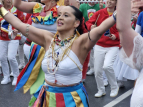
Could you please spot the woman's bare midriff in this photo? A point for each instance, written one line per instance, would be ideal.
(57, 85)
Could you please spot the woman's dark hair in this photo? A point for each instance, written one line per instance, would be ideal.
(79, 16)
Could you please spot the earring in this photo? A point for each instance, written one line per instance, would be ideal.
(77, 33)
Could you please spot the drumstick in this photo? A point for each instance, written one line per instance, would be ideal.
(97, 19)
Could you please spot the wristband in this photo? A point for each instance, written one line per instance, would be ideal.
(3, 11)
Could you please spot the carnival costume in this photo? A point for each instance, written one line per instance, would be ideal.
(62, 66)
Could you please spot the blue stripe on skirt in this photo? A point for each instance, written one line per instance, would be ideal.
(69, 101)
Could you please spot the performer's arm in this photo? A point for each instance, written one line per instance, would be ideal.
(127, 34)
(38, 36)
(90, 39)
(23, 6)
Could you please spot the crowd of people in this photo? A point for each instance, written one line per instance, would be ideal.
(61, 39)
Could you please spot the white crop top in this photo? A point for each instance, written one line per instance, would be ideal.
(68, 72)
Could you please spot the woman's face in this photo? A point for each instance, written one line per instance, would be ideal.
(111, 3)
(66, 20)
(7, 2)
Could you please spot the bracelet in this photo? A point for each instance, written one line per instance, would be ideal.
(3, 11)
(27, 30)
(89, 37)
(114, 15)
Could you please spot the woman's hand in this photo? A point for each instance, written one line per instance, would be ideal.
(113, 37)
(15, 31)
(135, 18)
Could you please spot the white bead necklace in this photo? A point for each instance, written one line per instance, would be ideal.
(58, 57)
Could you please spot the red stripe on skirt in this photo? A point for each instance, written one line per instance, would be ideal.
(60, 100)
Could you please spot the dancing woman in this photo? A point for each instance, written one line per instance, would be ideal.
(132, 42)
(65, 54)
(36, 77)
(9, 47)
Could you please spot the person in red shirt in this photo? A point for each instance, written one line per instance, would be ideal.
(9, 47)
(105, 50)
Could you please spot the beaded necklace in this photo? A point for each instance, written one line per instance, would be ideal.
(60, 42)
(56, 55)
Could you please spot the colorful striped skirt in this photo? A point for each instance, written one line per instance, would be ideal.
(73, 96)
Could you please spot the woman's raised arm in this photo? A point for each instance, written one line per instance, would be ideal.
(26, 7)
(39, 36)
(90, 39)
(127, 34)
